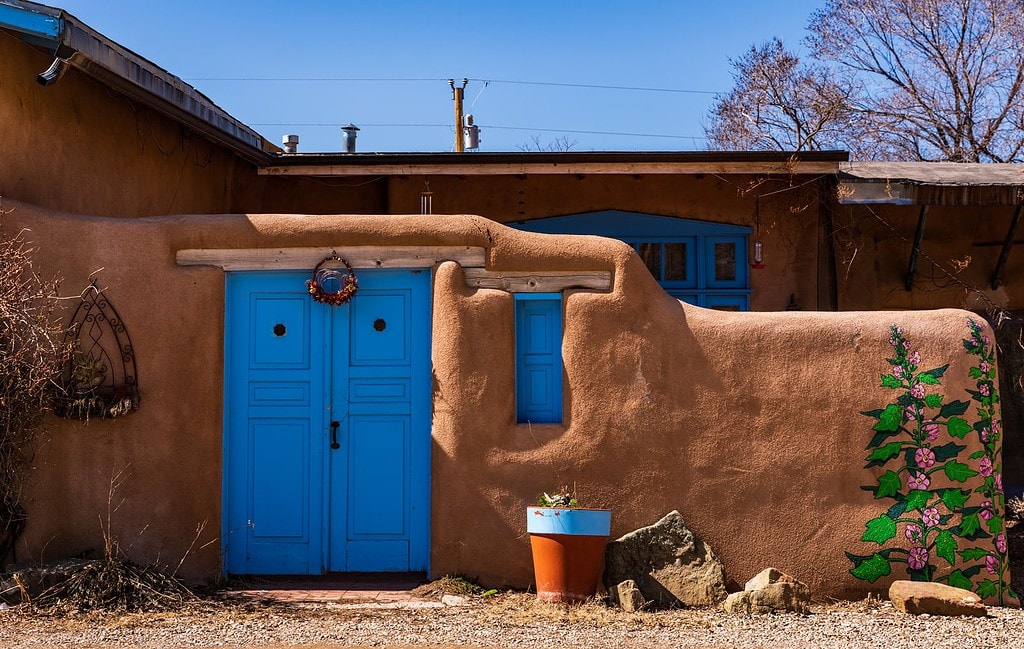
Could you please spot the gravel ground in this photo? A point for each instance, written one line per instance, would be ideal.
(510, 620)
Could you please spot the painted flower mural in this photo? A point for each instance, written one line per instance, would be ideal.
(917, 440)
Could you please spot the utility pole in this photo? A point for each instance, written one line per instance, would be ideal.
(457, 95)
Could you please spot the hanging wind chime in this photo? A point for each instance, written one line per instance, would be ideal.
(758, 256)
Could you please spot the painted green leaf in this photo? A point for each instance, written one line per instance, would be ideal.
(995, 524)
(957, 579)
(937, 372)
(918, 499)
(872, 569)
(897, 509)
(927, 379)
(880, 437)
(958, 471)
(933, 400)
(973, 554)
(947, 451)
(957, 427)
(890, 450)
(969, 524)
(890, 381)
(975, 373)
(954, 408)
(879, 530)
(889, 484)
(976, 455)
(945, 546)
(954, 499)
(872, 413)
(890, 418)
(987, 588)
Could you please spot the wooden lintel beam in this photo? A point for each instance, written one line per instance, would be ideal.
(916, 250)
(539, 282)
(307, 258)
(576, 168)
(1004, 254)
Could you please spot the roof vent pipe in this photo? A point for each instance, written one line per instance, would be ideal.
(290, 143)
(53, 73)
(348, 138)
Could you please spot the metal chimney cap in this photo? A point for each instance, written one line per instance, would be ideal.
(350, 127)
(289, 139)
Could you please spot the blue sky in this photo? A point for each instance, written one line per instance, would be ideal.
(309, 67)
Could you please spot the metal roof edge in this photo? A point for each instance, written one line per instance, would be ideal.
(134, 76)
(559, 157)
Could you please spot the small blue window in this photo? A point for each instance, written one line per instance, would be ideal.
(538, 357)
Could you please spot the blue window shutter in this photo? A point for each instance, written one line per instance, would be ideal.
(539, 357)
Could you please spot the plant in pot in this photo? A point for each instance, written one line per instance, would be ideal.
(567, 542)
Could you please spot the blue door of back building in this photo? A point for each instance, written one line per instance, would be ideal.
(327, 425)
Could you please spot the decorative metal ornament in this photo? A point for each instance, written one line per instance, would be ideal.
(100, 378)
(348, 284)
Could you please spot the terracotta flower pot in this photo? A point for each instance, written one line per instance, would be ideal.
(568, 551)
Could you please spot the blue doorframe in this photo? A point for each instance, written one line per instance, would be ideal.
(327, 425)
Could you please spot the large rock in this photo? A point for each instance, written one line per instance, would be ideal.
(670, 566)
(771, 591)
(927, 597)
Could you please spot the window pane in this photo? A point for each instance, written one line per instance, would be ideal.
(651, 254)
(675, 262)
(725, 261)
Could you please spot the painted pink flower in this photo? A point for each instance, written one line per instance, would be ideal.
(985, 366)
(897, 371)
(995, 426)
(984, 339)
(999, 482)
(991, 564)
(983, 389)
(906, 345)
(913, 532)
(911, 412)
(1001, 543)
(986, 512)
(924, 457)
(984, 434)
(917, 391)
(914, 358)
(918, 558)
(932, 431)
(930, 517)
(918, 480)
(985, 466)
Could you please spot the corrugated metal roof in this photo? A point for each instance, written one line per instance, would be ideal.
(931, 183)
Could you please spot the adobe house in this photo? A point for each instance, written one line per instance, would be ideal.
(482, 359)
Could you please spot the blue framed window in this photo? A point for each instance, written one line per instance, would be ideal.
(695, 261)
(538, 357)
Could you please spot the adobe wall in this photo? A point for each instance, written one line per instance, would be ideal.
(748, 424)
(959, 252)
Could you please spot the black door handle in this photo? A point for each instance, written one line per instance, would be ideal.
(334, 435)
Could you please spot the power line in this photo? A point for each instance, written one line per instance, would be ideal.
(558, 84)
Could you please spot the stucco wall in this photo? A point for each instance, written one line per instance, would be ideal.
(748, 424)
(56, 138)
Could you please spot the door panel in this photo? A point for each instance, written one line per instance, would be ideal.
(294, 505)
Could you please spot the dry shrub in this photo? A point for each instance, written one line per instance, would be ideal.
(32, 355)
(114, 584)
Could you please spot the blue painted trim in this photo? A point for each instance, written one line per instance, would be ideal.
(30, 23)
(557, 520)
(627, 225)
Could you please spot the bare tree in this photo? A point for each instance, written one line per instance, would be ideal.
(778, 103)
(925, 80)
(560, 143)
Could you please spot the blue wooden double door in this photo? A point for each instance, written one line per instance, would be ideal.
(327, 425)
